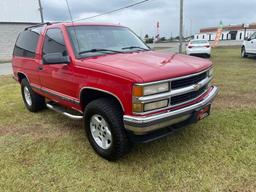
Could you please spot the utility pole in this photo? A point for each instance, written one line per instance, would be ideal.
(181, 25)
(41, 11)
(191, 24)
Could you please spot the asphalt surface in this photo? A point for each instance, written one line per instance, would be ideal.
(5, 69)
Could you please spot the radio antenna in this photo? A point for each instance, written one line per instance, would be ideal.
(72, 21)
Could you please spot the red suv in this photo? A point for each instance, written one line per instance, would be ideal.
(106, 76)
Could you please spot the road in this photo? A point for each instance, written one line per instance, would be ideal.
(5, 69)
(174, 46)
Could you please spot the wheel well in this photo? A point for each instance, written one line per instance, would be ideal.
(21, 76)
(88, 95)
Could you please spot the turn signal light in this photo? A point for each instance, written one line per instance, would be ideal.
(137, 91)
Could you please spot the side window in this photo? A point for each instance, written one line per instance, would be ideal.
(54, 42)
(26, 43)
(253, 36)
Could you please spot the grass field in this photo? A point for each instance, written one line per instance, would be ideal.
(48, 152)
(4, 61)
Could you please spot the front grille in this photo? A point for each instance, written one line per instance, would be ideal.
(176, 84)
(187, 97)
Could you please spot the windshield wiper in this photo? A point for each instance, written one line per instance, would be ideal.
(99, 50)
(135, 47)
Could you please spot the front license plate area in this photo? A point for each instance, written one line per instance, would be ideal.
(203, 113)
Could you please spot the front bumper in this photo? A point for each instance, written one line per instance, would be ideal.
(146, 124)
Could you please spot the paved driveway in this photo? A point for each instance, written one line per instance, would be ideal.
(5, 69)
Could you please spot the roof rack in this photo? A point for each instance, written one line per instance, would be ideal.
(38, 25)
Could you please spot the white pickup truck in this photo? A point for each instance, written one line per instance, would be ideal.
(249, 46)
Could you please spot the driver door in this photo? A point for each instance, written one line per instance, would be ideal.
(251, 44)
(56, 79)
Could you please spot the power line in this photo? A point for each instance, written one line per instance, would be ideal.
(115, 10)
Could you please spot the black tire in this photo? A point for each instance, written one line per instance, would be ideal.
(112, 114)
(37, 101)
(208, 56)
(243, 53)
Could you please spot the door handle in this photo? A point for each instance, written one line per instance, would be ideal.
(40, 68)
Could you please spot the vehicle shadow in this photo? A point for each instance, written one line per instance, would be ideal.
(183, 141)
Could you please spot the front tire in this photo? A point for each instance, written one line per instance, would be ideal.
(243, 53)
(105, 130)
(32, 100)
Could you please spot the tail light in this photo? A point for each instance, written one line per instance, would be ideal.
(190, 47)
(207, 46)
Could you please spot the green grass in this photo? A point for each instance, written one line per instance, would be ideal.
(5, 61)
(48, 152)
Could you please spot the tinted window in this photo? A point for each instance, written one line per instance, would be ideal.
(54, 42)
(199, 42)
(26, 43)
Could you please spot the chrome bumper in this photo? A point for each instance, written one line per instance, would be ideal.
(145, 124)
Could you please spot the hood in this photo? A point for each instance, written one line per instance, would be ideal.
(152, 66)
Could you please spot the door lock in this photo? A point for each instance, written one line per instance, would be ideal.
(40, 68)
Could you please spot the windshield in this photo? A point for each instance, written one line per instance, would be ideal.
(199, 42)
(98, 40)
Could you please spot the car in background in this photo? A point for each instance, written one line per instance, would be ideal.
(249, 46)
(199, 48)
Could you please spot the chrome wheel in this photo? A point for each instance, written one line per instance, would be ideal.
(100, 131)
(27, 96)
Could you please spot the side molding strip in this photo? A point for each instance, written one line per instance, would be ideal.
(57, 95)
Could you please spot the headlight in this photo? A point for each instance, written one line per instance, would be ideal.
(155, 105)
(139, 91)
(146, 90)
(210, 72)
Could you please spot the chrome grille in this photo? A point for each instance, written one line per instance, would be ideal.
(183, 90)
(176, 84)
(177, 100)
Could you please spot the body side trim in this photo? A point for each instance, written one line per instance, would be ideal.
(56, 94)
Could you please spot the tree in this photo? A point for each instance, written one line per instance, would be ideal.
(150, 40)
(162, 39)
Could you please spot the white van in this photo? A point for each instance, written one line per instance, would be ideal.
(249, 46)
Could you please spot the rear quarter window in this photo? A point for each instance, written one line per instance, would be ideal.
(26, 43)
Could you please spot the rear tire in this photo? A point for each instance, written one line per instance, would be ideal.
(103, 124)
(32, 100)
(243, 53)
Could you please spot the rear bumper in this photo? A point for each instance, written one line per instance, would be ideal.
(198, 51)
(147, 124)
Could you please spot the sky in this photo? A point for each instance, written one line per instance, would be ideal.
(143, 18)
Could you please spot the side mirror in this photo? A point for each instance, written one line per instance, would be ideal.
(55, 58)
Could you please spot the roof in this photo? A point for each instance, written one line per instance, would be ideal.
(228, 28)
(59, 24)
(84, 23)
